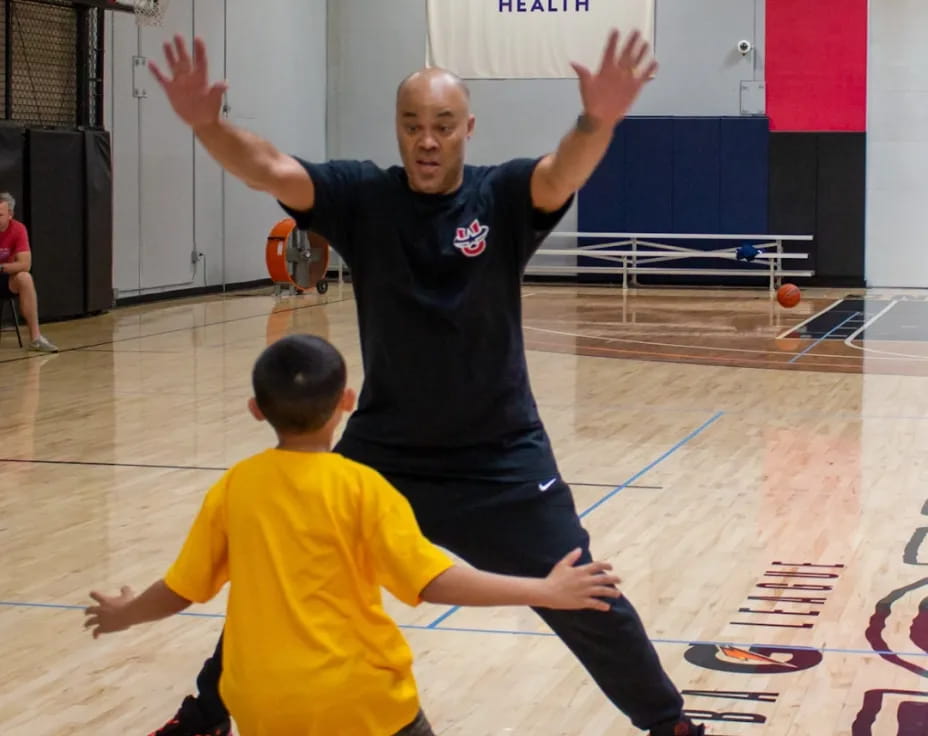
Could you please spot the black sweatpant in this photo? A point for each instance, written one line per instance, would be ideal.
(524, 530)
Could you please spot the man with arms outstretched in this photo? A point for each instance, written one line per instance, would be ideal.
(437, 249)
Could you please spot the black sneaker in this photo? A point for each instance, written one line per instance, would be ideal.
(188, 721)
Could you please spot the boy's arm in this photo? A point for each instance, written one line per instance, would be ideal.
(565, 587)
(414, 570)
(118, 613)
(197, 574)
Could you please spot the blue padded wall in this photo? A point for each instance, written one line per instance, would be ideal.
(606, 208)
(648, 174)
(680, 175)
(745, 157)
(696, 175)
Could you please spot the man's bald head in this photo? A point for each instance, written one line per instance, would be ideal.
(432, 78)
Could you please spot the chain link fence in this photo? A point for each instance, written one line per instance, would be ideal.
(52, 54)
(3, 57)
(94, 83)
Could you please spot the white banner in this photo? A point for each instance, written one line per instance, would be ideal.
(529, 39)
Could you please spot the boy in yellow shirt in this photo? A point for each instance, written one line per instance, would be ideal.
(307, 538)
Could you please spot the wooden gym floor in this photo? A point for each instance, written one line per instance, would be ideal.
(755, 474)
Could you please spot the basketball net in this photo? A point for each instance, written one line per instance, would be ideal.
(150, 12)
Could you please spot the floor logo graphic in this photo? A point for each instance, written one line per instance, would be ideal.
(759, 660)
(899, 712)
(906, 604)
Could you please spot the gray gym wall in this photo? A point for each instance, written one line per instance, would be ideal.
(897, 144)
(171, 199)
(372, 46)
(318, 79)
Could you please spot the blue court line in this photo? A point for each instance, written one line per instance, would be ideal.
(688, 642)
(446, 614)
(71, 607)
(653, 464)
(618, 489)
(547, 634)
(825, 336)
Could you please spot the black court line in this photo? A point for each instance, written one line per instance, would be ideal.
(613, 485)
(157, 466)
(176, 329)
(144, 352)
(87, 463)
(29, 356)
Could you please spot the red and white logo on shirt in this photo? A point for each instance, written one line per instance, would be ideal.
(472, 240)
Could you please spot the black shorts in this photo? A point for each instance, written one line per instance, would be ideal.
(441, 498)
(509, 528)
(419, 727)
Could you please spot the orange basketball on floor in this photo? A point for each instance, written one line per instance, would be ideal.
(788, 295)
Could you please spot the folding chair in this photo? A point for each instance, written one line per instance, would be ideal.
(7, 297)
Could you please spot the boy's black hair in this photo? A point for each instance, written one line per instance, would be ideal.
(298, 382)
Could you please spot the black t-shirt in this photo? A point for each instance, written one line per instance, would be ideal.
(437, 280)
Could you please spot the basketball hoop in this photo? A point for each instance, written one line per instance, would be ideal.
(150, 12)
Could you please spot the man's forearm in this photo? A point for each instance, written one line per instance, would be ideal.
(243, 154)
(579, 153)
(561, 174)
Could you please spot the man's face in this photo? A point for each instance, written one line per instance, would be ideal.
(5, 216)
(433, 123)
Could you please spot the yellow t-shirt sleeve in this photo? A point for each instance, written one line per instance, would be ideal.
(202, 567)
(404, 561)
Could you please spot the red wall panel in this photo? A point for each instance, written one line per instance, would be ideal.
(816, 65)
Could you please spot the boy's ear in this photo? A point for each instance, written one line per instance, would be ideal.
(255, 411)
(349, 397)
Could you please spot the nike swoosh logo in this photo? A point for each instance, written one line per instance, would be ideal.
(546, 486)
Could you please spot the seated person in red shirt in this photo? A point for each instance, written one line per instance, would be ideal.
(15, 261)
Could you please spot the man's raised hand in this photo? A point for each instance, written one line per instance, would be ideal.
(187, 85)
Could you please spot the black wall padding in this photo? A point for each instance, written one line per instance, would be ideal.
(840, 221)
(818, 186)
(793, 182)
(98, 211)
(12, 162)
(56, 221)
(794, 191)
